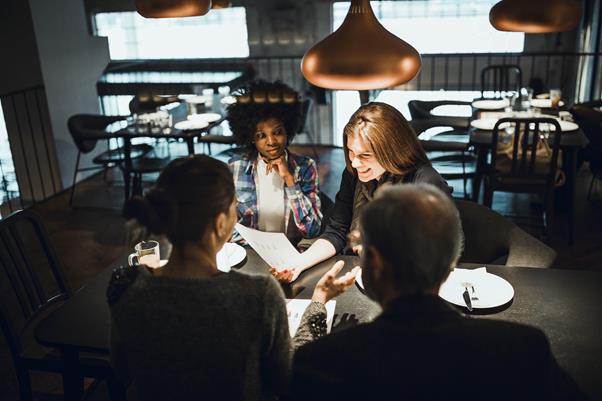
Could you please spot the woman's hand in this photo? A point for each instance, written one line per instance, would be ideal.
(354, 238)
(330, 286)
(280, 166)
(286, 275)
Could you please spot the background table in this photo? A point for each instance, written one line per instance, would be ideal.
(120, 129)
(563, 303)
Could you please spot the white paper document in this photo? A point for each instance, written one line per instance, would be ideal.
(274, 248)
(296, 307)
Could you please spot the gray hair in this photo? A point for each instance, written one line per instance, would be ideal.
(417, 229)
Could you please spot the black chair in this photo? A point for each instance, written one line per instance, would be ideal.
(489, 238)
(589, 118)
(326, 205)
(86, 130)
(32, 286)
(501, 78)
(448, 150)
(519, 171)
(421, 110)
(145, 103)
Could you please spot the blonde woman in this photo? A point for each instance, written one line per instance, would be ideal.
(380, 149)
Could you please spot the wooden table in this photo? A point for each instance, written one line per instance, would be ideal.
(563, 303)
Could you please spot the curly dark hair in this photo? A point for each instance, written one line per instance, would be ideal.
(260, 100)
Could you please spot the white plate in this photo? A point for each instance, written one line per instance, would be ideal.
(230, 255)
(565, 126)
(358, 279)
(488, 124)
(197, 99)
(227, 100)
(207, 117)
(490, 104)
(490, 290)
(544, 103)
(188, 125)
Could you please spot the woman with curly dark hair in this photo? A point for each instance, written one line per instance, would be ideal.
(272, 184)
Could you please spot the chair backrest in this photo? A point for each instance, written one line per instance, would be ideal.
(590, 121)
(528, 139)
(86, 129)
(490, 238)
(501, 78)
(421, 109)
(305, 110)
(421, 125)
(31, 278)
(327, 205)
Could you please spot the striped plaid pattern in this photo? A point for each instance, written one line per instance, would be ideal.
(303, 200)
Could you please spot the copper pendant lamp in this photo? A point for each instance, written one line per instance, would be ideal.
(217, 4)
(172, 8)
(360, 55)
(535, 16)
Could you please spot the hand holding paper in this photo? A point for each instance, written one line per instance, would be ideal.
(274, 248)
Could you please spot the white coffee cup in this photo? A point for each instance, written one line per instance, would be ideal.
(147, 253)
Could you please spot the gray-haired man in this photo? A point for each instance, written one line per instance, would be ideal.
(419, 348)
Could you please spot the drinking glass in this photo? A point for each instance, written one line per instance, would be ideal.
(147, 253)
(555, 96)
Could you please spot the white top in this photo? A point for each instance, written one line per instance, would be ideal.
(270, 198)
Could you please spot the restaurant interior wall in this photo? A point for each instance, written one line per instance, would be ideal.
(28, 160)
(71, 62)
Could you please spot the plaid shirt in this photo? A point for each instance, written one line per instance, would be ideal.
(302, 199)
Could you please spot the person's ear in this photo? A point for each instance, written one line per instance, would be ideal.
(221, 222)
(373, 258)
(376, 261)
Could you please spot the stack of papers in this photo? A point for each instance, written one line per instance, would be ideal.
(296, 307)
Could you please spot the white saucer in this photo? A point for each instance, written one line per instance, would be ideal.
(207, 117)
(227, 100)
(490, 290)
(490, 104)
(487, 124)
(188, 125)
(544, 103)
(230, 255)
(197, 99)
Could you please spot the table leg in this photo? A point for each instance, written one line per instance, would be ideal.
(127, 166)
(73, 382)
(569, 165)
(479, 171)
(190, 143)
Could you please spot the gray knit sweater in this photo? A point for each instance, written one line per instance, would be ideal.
(219, 338)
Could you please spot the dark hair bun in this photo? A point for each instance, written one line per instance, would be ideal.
(157, 211)
(189, 193)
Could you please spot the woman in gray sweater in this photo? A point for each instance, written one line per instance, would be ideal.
(188, 331)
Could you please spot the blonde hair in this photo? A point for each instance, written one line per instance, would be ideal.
(390, 137)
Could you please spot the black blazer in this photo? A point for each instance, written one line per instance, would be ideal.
(422, 349)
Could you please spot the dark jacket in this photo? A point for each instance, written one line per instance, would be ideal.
(339, 220)
(422, 349)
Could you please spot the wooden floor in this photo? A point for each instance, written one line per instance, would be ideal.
(91, 236)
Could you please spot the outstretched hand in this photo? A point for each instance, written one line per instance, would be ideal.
(330, 286)
(285, 275)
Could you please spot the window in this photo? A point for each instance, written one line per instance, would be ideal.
(432, 27)
(346, 102)
(9, 188)
(218, 34)
(441, 26)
